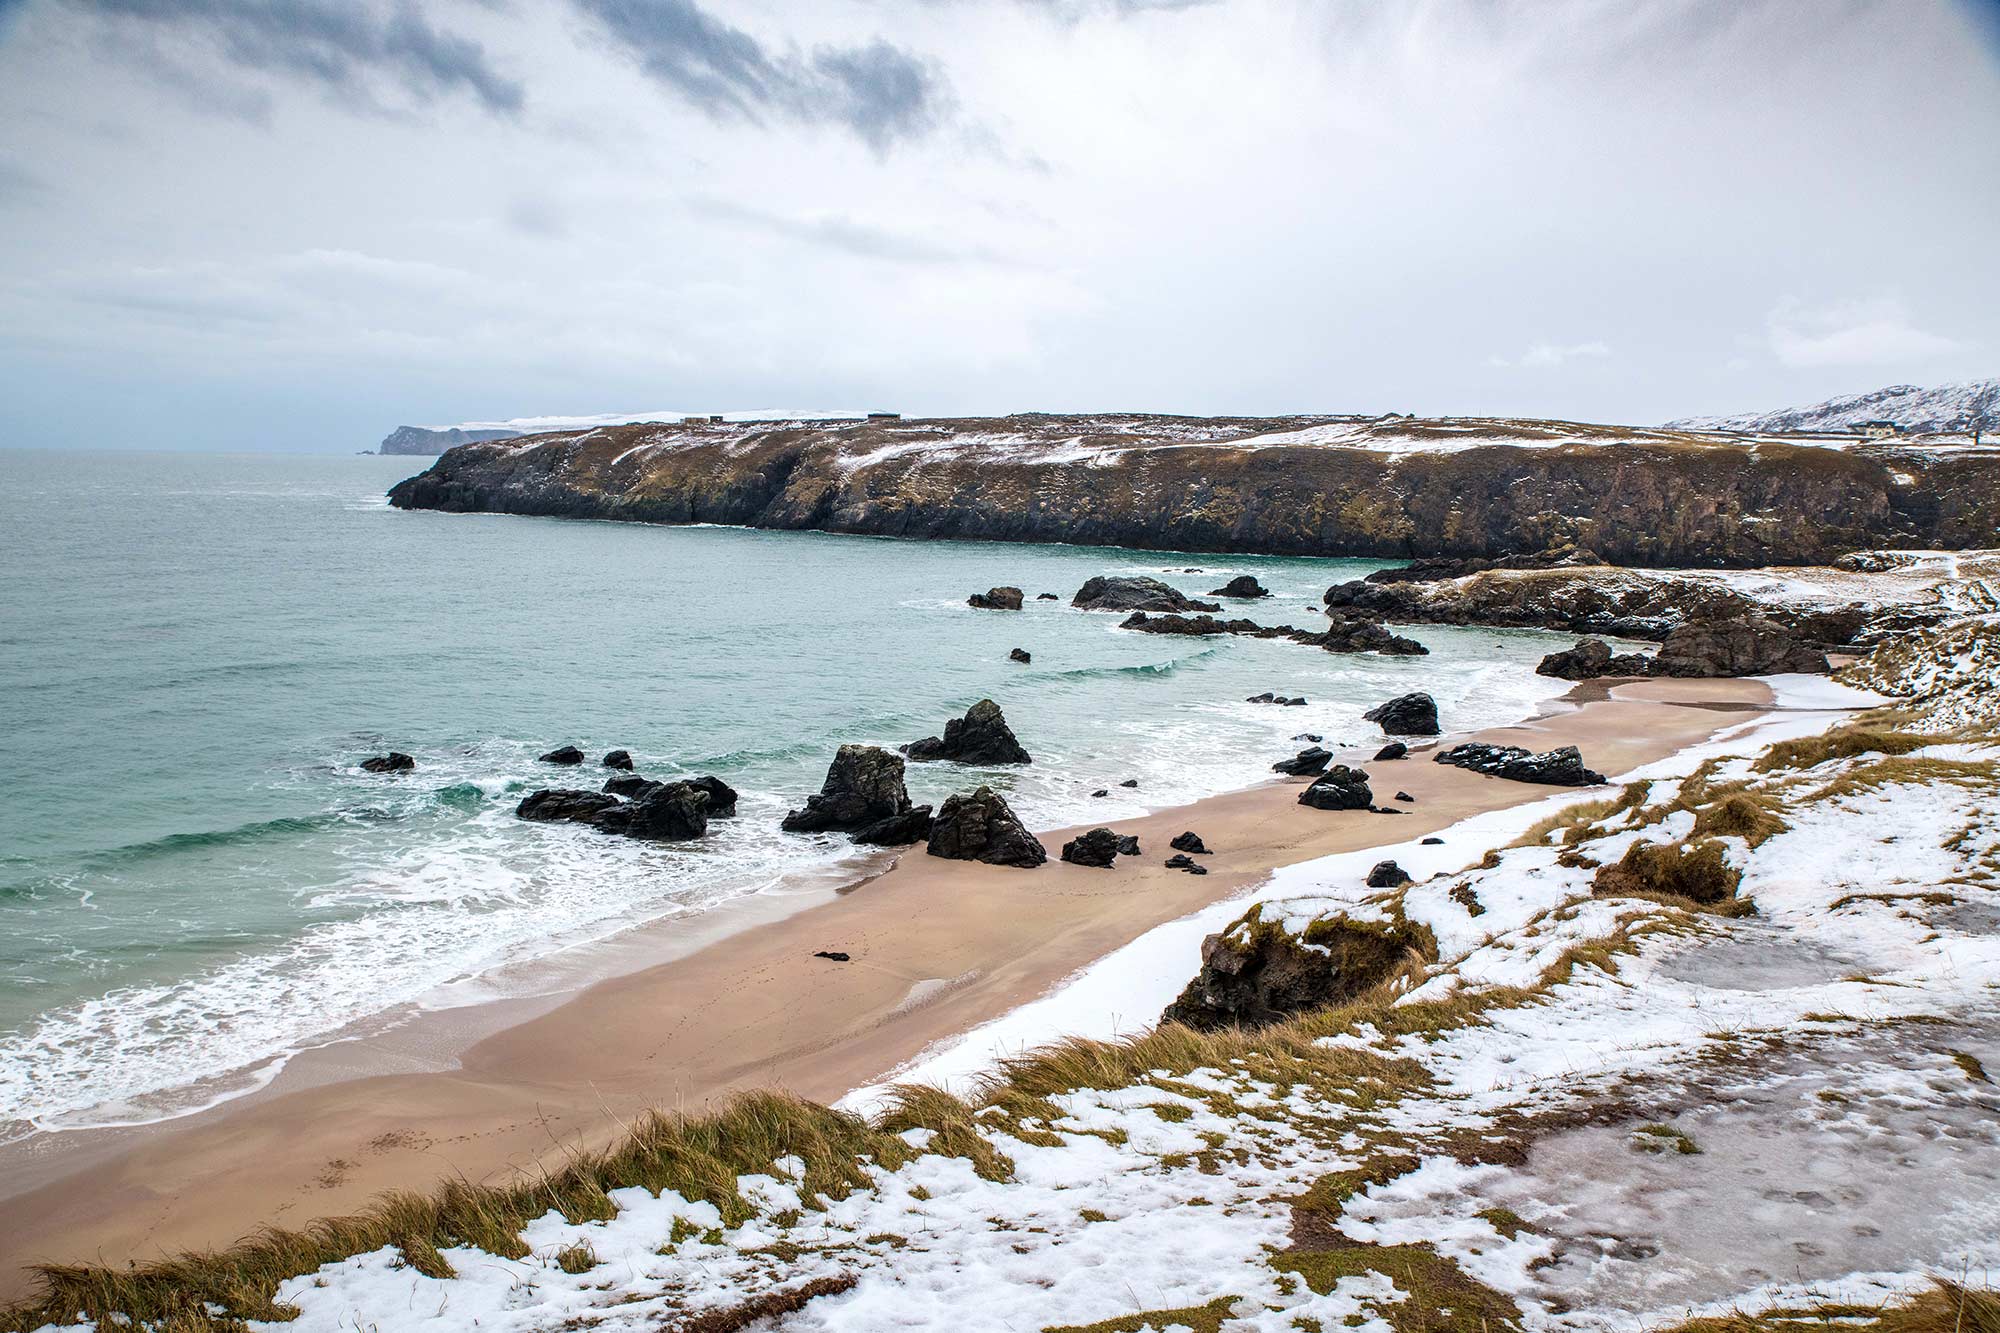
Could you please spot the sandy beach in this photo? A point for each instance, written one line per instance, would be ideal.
(937, 947)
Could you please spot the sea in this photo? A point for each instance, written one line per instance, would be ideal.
(198, 882)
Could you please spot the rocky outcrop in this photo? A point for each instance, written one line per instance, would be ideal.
(1189, 842)
(1148, 623)
(1339, 788)
(1393, 750)
(1457, 567)
(421, 440)
(393, 762)
(1387, 875)
(1752, 646)
(1283, 701)
(618, 759)
(980, 826)
(1413, 714)
(1097, 848)
(1180, 861)
(1243, 585)
(1556, 768)
(864, 785)
(721, 796)
(1134, 593)
(1346, 633)
(1305, 763)
(563, 754)
(1254, 973)
(996, 599)
(982, 736)
(913, 825)
(1021, 655)
(1636, 497)
(658, 811)
(1357, 634)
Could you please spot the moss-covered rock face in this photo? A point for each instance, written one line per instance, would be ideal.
(1634, 496)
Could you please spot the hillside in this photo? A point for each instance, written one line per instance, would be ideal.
(424, 441)
(1945, 409)
(1306, 485)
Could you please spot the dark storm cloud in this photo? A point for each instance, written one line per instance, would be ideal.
(880, 92)
(341, 45)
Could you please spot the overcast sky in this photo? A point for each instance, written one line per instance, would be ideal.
(250, 224)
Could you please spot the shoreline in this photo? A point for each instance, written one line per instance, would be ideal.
(938, 949)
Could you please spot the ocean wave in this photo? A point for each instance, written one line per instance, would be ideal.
(1165, 668)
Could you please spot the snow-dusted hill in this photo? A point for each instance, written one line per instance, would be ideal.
(1947, 408)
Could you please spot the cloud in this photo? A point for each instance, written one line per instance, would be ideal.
(880, 92)
(343, 46)
(1850, 333)
(846, 234)
(1547, 356)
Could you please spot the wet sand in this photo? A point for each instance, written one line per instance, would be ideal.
(938, 947)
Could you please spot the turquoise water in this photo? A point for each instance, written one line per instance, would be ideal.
(195, 651)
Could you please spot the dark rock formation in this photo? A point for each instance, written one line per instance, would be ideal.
(996, 599)
(1254, 974)
(981, 827)
(423, 440)
(1406, 715)
(1129, 782)
(665, 812)
(913, 825)
(1309, 738)
(1279, 699)
(1556, 768)
(628, 786)
(1339, 788)
(1636, 497)
(1243, 585)
(982, 736)
(619, 759)
(1358, 634)
(1097, 848)
(1433, 842)
(1751, 646)
(1393, 750)
(863, 786)
(1386, 875)
(1434, 570)
(721, 796)
(1047, 597)
(552, 804)
(1406, 797)
(393, 762)
(1305, 763)
(1128, 845)
(566, 754)
(1189, 842)
(832, 955)
(1021, 655)
(1147, 623)
(1101, 791)
(1135, 593)
(1346, 634)
(1591, 659)
(1178, 862)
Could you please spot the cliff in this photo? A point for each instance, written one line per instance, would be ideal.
(1330, 486)
(423, 440)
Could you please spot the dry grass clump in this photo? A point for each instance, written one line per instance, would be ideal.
(1435, 1295)
(770, 1305)
(1740, 815)
(1840, 743)
(1575, 822)
(1201, 1318)
(1696, 872)
(1944, 1307)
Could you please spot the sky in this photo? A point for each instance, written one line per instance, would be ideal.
(243, 224)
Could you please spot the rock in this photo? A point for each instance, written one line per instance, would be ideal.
(1047, 597)
(1387, 875)
(1254, 974)
(628, 787)
(1101, 791)
(996, 599)
(980, 737)
(1021, 655)
(721, 796)
(1179, 862)
(1393, 750)
(1135, 593)
(393, 762)
(1339, 788)
(1592, 659)
(1405, 796)
(1128, 845)
(1129, 782)
(913, 825)
(1243, 585)
(552, 804)
(567, 754)
(1197, 870)
(1406, 715)
(665, 812)
(1360, 634)
(1557, 768)
(1751, 646)
(1190, 842)
(863, 786)
(618, 759)
(981, 827)
(1309, 738)
(1097, 848)
(1297, 702)
(1386, 810)
(1306, 762)
(832, 955)
(1199, 626)
(1432, 842)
